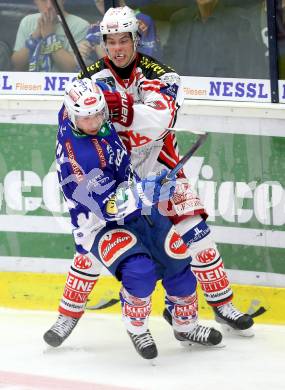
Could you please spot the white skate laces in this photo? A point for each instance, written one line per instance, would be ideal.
(228, 315)
(64, 325)
(143, 340)
(60, 330)
(144, 344)
(200, 335)
(229, 311)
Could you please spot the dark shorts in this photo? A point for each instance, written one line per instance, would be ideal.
(114, 243)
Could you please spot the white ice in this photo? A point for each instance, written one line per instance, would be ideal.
(99, 355)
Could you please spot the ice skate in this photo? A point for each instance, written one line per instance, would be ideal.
(202, 335)
(144, 344)
(232, 320)
(60, 330)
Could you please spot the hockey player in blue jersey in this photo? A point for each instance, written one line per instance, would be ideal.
(106, 201)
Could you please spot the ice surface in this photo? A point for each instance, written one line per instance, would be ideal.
(99, 355)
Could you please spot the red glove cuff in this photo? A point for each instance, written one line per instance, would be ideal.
(120, 105)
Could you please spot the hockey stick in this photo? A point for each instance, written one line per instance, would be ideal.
(71, 39)
(171, 175)
(258, 312)
(103, 304)
(196, 132)
(254, 310)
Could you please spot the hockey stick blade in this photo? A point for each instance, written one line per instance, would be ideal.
(261, 310)
(71, 40)
(103, 304)
(255, 309)
(197, 132)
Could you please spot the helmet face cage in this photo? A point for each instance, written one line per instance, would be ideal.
(119, 20)
(84, 98)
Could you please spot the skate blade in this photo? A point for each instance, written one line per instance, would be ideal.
(153, 362)
(228, 330)
(188, 345)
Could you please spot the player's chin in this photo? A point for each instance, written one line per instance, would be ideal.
(91, 132)
(121, 62)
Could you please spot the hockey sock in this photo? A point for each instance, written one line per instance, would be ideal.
(82, 277)
(207, 263)
(184, 311)
(135, 312)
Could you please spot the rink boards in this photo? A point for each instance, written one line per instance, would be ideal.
(239, 174)
(43, 291)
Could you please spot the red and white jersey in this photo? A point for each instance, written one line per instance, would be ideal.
(158, 94)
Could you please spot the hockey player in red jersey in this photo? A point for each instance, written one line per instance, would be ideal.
(144, 99)
(106, 201)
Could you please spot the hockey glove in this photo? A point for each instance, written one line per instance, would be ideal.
(152, 190)
(140, 195)
(104, 86)
(120, 105)
(93, 34)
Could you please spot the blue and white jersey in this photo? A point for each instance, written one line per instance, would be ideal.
(92, 170)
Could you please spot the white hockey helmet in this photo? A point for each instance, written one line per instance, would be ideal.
(84, 98)
(119, 20)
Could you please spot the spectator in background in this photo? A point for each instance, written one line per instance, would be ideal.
(149, 43)
(212, 39)
(5, 56)
(256, 59)
(41, 44)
